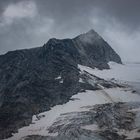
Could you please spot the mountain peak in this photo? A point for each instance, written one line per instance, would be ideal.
(43, 77)
(89, 37)
(91, 32)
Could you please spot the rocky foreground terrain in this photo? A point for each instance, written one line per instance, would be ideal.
(100, 122)
(50, 93)
(109, 112)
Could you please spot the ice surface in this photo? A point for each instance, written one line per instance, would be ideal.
(88, 98)
(129, 73)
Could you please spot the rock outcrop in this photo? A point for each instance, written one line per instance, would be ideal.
(33, 80)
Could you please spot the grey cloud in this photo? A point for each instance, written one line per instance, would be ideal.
(126, 11)
(116, 20)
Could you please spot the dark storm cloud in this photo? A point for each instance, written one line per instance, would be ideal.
(30, 23)
(126, 11)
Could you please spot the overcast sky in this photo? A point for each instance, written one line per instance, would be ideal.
(30, 23)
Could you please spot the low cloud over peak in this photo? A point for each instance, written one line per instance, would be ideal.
(30, 23)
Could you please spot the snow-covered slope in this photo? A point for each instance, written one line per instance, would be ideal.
(61, 116)
(88, 98)
(128, 73)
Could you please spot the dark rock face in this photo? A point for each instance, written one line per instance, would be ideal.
(94, 51)
(29, 81)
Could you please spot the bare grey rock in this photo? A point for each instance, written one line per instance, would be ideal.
(28, 78)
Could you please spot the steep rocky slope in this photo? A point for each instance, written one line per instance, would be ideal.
(101, 112)
(33, 80)
(94, 51)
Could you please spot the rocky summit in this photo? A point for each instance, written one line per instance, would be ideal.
(34, 80)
